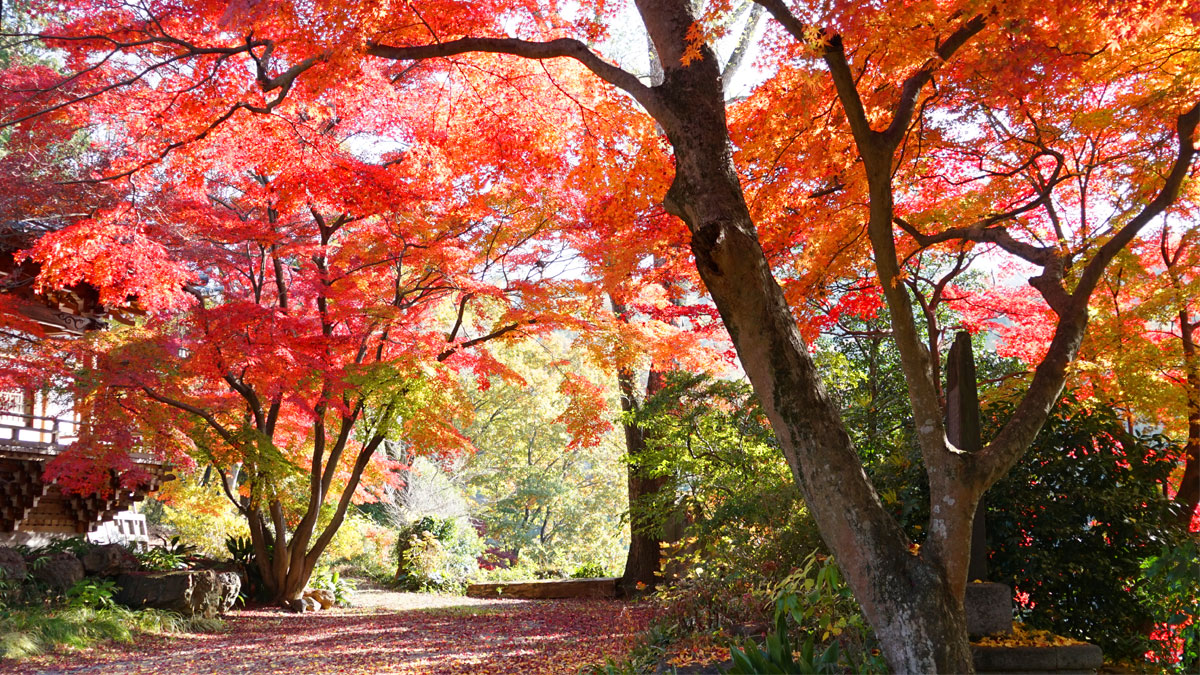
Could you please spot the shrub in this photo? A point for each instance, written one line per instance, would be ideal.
(241, 551)
(1172, 586)
(815, 609)
(92, 593)
(199, 512)
(744, 526)
(437, 554)
(172, 554)
(363, 545)
(1072, 524)
(330, 580)
(590, 570)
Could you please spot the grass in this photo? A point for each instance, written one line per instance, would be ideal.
(30, 631)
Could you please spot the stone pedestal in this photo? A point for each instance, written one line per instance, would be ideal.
(989, 609)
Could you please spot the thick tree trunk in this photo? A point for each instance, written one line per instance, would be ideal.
(916, 612)
(282, 579)
(643, 564)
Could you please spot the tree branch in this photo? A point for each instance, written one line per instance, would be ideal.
(449, 351)
(560, 48)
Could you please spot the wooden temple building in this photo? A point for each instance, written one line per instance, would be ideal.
(28, 503)
(33, 430)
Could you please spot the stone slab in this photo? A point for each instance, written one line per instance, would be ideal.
(989, 608)
(1080, 658)
(546, 589)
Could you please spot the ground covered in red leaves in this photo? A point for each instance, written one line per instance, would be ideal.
(502, 636)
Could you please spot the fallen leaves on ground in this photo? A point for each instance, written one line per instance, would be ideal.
(1027, 637)
(506, 637)
(697, 650)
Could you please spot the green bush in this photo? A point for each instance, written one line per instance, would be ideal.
(1073, 523)
(241, 552)
(1172, 585)
(730, 496)
(172, 554)
(332, 581)
(92, 593)
(815, 609)
(590, 570)
(437, 554)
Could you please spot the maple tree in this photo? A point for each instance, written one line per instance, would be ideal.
(930, 121)
(1142, 353)
(295, 322)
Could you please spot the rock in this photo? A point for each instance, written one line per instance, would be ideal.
(231, 585)
(109, 560)
(59, 571)
(189, 592)
(12, 565)
(323, 597)
(302, 605)
(989, 609)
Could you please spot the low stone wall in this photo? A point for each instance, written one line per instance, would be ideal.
(546, 589)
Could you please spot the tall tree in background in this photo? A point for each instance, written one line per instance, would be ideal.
(555, 508)
(938, 119)
(1142, 354)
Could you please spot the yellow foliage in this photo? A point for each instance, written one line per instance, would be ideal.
(360, 538)
(201, 515)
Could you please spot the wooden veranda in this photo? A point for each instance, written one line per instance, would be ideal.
(29, 503)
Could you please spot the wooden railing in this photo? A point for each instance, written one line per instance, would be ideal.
(34, 429)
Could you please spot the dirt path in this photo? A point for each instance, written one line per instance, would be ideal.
(384, 633)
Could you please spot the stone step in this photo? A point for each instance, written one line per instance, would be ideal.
(545, 589)
(1080, 658)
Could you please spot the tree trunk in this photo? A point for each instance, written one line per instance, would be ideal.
(1188, 496)
(643, 563)
(916, 611)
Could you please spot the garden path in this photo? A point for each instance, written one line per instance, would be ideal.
(385, 632)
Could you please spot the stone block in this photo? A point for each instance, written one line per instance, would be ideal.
(12, 565)
(189, 592)
(989, 609)
(1080, 658)
(59, 571)
(109, 560)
